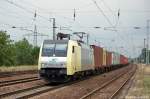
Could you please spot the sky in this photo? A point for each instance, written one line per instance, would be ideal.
(116, 33)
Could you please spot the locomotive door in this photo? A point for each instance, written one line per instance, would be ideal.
(73, 58)
(77, 58)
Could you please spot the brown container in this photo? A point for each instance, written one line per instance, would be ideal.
(98, 56)
(104, 57)
(123, 59)
(108, 58)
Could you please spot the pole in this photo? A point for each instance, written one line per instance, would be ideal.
(147, 50)
(144, 58)
(35, 32)
(87, 38)
(53, 27)
(35, 36)
(144, 42)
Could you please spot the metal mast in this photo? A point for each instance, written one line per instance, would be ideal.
(144, 43)
(35, 32)
(54, 27)
(147, 49)
(35, 36)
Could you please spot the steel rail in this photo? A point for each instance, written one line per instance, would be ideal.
(10, 74)
(104, 85)
(51, 89)
(119, 89)
(23, 95)
(17, 81)
(19, 91)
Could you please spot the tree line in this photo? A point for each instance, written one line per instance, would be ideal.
(17, 53)
(142, 58)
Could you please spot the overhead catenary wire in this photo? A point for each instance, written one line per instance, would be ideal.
(102, 12)
(29, 11)
(117, 19)
(22, 28)
(13, 15)
(64, 17)
(105, 16)
(70, 20)
(23, 8)
(79, 9)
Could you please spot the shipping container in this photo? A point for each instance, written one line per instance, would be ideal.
(98, 56)
(108, 58)
(126, 60)
(115, 58)
(123, 59)
(104, 57)
(118, 58)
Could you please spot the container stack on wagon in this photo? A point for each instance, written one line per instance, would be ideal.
(98, 57)
(104, 58)
(108, 58)
(123, 60)
(115, 58)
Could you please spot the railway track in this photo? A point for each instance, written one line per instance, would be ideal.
(111, 88)
(17, 81)
(10, 74)
(123, 84)
(40, 89)
(36, 90)
(14, 93)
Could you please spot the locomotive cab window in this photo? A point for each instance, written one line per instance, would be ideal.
(48, 49)
(61, 50)
(54, 49)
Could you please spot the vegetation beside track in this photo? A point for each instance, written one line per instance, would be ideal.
(17, 53)
(147, 84)
(18, 68)
(146, 80)
(140, 88)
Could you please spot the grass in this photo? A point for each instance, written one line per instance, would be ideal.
(146, 82)
(140, 89)
(18, 68)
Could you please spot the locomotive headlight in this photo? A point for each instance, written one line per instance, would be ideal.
(63, 64)
(42, 64)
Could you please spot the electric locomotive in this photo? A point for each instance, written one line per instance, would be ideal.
(59, 60)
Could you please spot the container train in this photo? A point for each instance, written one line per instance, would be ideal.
(62, 60)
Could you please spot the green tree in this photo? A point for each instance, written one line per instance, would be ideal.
(19, 53)
(23, 53)
(35, 54)
(6, 49)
